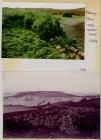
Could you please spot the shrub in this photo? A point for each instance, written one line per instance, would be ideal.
(47, 26)
(54, 54)
(62, 40)
(17, 42)
(72, 43)
(28, 20)
(13, 19)
(67, 15)
(43, 53)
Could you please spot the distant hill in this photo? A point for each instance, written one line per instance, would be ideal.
(42, 93)
(76, 12)
(34, 98)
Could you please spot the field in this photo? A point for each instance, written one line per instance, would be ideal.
(55, 115)
(43, 33)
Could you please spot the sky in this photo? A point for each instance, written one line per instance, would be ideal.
(43, 5)
(76, 83)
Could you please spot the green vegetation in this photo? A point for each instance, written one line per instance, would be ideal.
(36, 34)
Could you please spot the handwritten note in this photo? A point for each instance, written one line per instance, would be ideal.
(90, 27)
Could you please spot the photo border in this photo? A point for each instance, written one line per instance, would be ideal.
(54, 65)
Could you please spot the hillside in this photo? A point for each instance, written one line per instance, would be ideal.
(43, 33)
(59, 120)
(34, 98)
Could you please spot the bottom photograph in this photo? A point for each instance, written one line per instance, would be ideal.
(42, 105)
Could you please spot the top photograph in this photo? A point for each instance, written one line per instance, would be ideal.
(43, 30)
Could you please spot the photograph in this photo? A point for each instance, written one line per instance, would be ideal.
(51, 105)
(43, 31)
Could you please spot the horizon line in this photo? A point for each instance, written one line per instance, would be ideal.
(65, 92)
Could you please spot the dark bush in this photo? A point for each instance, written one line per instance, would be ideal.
(72, 43)
(89, 121)
(67, 15)
(17, 123)
(13, 19)
(62, 40)
(28, 20)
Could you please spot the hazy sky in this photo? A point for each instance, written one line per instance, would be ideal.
(83, 83)
(43, 5)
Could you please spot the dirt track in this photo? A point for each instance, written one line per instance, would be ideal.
(75, 29)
